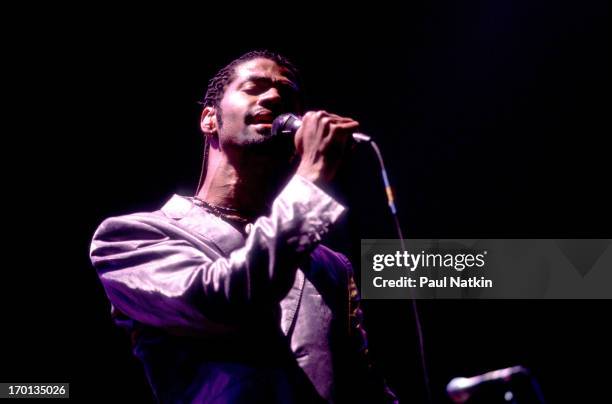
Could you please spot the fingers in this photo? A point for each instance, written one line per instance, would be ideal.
(323, 127)
(324, 122)
(322, 142)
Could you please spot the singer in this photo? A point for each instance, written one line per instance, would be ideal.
(228, 295)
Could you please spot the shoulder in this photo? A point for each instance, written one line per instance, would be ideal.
(151, 226)
(118, 227)
(178, 223)
(169, 214)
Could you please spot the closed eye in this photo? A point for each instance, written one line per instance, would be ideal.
(258, 85)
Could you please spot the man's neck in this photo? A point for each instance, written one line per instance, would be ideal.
(246, 183)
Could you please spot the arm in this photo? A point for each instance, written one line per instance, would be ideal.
(161, 274)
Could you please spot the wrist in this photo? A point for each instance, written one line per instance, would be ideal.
(310, 173)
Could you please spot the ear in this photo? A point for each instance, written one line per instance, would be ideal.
(208, 121)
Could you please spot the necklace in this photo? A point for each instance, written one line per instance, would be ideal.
(223, 212)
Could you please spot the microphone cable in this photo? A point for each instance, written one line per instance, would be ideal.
(417, 319)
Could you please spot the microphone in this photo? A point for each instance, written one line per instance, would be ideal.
(460, 389)
(288, 124)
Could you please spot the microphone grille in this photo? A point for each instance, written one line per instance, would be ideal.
(285, 124)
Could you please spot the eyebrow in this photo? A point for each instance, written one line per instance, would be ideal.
(286, 82)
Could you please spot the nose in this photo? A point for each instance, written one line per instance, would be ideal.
(270, 98)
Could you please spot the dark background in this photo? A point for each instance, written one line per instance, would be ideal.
(492, 117)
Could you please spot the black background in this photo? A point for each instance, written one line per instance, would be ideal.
(492, 117)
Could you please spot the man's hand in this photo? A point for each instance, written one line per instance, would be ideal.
(322, 142)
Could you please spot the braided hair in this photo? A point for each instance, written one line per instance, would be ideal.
(218, 84)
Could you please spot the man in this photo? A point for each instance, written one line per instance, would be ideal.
(228, 295)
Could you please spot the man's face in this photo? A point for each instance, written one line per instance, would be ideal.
(261, 90)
